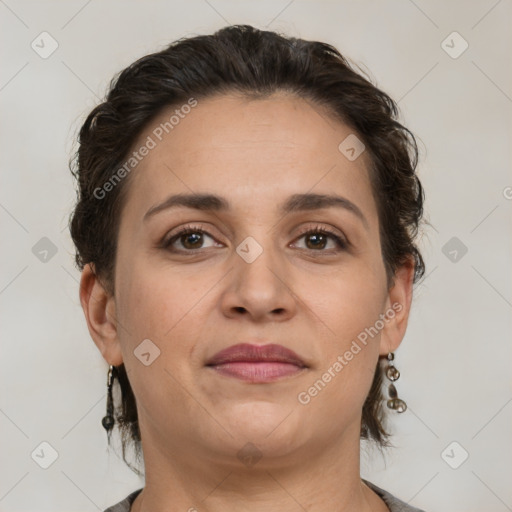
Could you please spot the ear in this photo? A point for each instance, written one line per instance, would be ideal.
(100, 312)
(398, 302)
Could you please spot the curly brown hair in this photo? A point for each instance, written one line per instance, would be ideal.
(256, 63)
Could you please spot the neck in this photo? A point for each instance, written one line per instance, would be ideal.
(314, 478)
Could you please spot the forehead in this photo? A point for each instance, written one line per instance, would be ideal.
(255, 151)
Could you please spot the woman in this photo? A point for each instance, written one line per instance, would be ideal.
(245, 225)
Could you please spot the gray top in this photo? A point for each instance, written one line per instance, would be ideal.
(393, 503)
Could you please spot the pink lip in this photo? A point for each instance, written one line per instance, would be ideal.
(257, 363)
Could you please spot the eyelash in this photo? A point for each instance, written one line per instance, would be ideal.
(187, 230)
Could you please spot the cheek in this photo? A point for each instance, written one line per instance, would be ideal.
(347, 301)
(149, 304)
(156, 318)
(162, 304)
(349, 310)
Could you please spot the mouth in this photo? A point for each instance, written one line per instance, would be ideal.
(257, 363)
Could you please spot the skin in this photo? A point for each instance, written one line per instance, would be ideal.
(310, 298)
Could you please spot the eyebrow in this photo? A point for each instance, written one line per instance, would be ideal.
(295, 203)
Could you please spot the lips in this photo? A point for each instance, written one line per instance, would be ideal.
(257, 363)
(247, 353)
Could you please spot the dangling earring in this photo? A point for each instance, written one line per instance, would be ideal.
(109, 420)
(393, 374)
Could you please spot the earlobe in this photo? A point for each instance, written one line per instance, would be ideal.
(398, 306)
(99, 311)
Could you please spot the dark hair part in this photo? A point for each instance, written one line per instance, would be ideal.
(255, 63)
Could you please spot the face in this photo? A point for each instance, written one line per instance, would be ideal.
(248, 272)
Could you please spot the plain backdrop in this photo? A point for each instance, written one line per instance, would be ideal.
(453, 446)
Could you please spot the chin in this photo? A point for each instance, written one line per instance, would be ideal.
(262, 421)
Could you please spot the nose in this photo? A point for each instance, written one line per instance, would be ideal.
(259, 289)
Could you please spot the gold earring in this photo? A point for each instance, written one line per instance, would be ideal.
(395, 403)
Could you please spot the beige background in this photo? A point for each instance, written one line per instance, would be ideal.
(456, 357)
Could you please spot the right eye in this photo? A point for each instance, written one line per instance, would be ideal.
(191, 239)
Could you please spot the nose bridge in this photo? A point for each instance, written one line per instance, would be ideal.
(257, 260)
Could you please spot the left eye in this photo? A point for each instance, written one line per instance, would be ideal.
(318, 238)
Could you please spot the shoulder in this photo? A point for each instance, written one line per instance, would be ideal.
(124, 505)
(394, 504)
